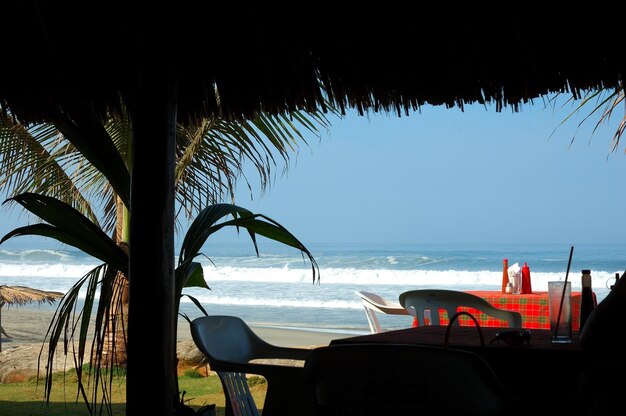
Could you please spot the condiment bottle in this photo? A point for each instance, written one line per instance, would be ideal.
(586, 301)
(505, 274)
(526, 286)
(604, 330)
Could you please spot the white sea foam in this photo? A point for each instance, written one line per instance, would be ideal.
(366, 277)
(328, 276)
(273, 302)
(55, 270)
(276, 287)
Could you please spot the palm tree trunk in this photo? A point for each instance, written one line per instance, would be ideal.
(1, 329)
(115, 337)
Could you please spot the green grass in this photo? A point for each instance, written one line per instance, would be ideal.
(26, 399)
(192, 373)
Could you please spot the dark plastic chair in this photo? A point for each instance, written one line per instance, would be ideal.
(394, 379)
(229, 345)
(418, 301)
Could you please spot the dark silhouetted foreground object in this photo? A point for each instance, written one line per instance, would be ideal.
(601, 389)
(604, 332)
(395, 379)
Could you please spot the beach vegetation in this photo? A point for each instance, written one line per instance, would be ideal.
(192, 373)
(71, 324)
(74, 176)
(254, 381)
(87, 162)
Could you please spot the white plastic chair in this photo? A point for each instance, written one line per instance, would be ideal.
(420, 302)
(373, 303)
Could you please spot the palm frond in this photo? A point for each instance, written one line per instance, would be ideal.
(69, 226)
(89, 136)
(198, 304)
(30, 162)
(601, 104)
(120, 130)
(268, 228)
(212, 219)
(212, 154)
(70, 329)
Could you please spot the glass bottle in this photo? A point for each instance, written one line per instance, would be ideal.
(604, 329)
(586, 301)
(505, 274)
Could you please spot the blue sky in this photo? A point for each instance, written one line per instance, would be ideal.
(447, 176)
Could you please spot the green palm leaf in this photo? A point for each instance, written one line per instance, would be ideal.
(68, 226)
(69, 328)
(211, 154)
(89, 136)
(208, 222)
(87, 161)
(33, 161)
(203, 226)
(90, 159)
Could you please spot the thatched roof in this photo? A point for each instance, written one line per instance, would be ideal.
(235, 61)
(20, 295)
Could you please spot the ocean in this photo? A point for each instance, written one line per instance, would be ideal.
(276, 288)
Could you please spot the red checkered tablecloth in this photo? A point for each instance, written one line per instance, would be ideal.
(533, 307)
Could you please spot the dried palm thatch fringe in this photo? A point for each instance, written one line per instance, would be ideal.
(21, 295)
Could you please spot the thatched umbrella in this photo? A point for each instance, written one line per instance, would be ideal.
(20, 295)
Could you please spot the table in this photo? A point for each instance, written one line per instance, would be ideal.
(538, 370)
(533, 308)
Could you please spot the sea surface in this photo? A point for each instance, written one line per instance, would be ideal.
(276, 288)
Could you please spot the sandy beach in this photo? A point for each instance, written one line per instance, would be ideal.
(27, 328)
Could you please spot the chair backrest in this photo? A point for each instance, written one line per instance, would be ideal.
(226, 339)
(229, 344)
(399, 379)
(373, 303)
(380, 304)
(451, 300)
